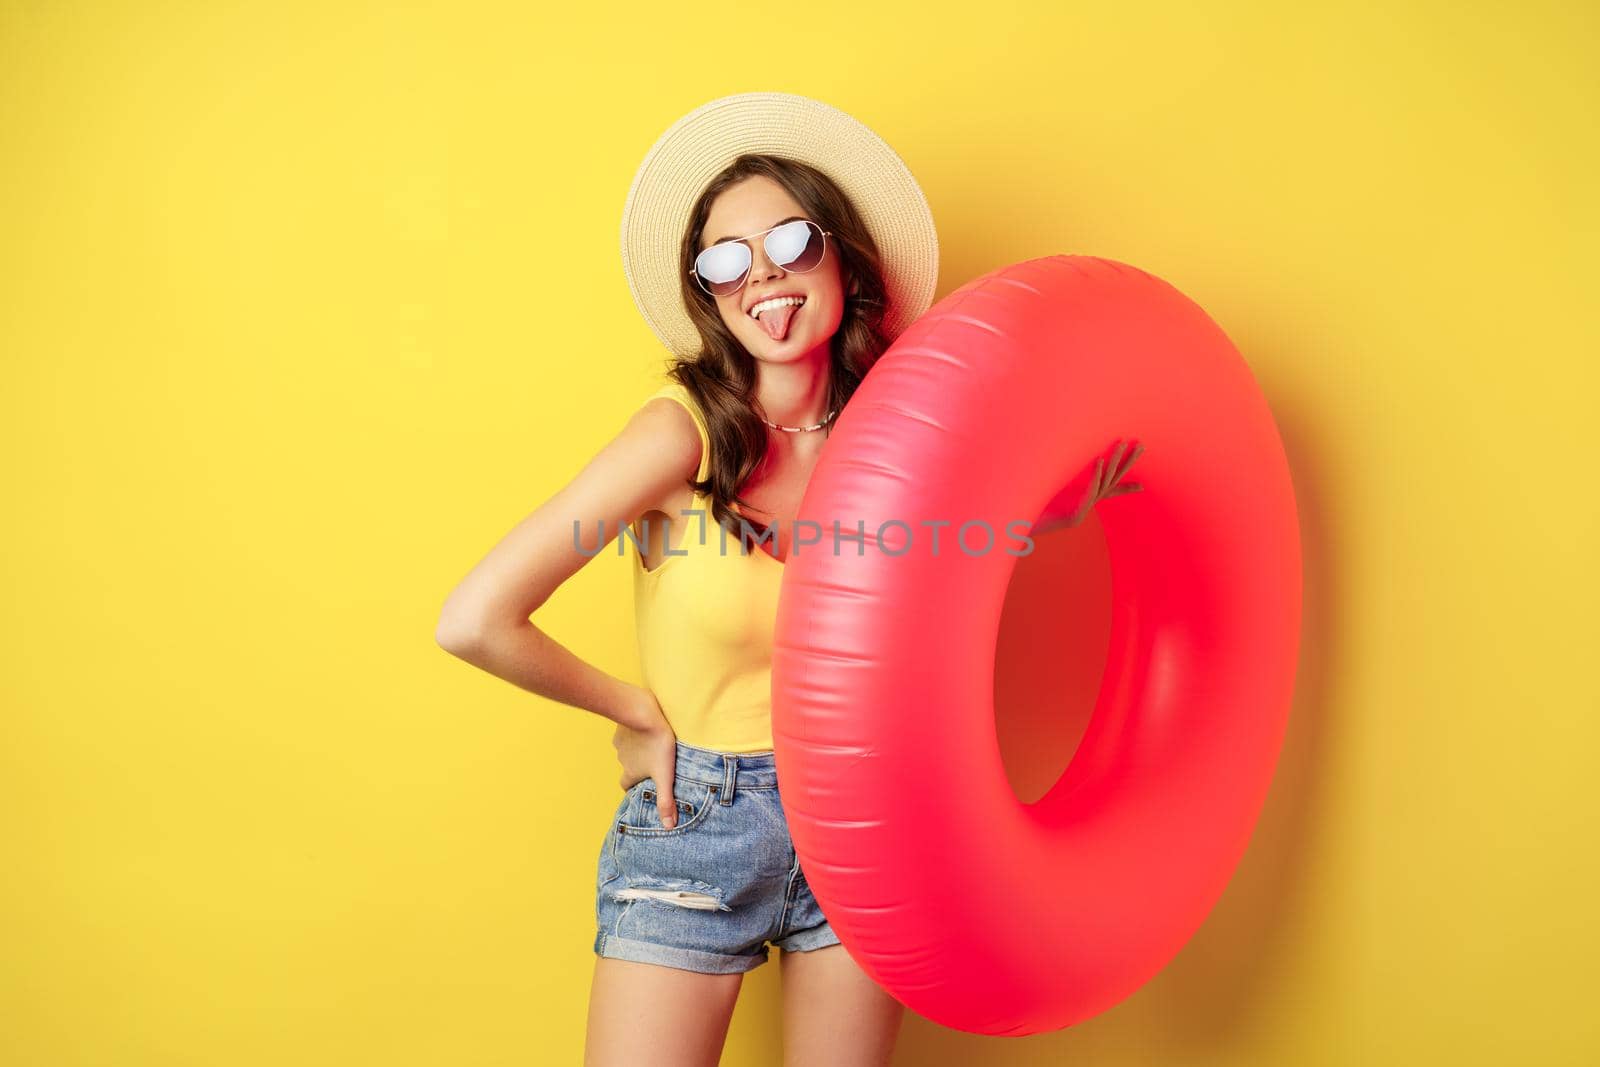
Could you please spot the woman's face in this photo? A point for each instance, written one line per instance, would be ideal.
(758, 203)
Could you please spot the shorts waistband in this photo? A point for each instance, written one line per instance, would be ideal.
(731, 771)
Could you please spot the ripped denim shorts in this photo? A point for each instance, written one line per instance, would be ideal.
(710, 893)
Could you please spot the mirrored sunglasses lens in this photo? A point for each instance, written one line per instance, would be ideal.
(722, 267)
(795, 246)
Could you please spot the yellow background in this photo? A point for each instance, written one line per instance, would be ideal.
(303, 306)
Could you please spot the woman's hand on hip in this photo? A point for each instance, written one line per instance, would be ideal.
(649, 750)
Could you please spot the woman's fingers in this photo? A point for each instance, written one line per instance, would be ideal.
(1090, 494)
(666, 803)
(1120, 464)
(1138, 450)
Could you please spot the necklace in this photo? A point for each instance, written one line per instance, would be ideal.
(801, 429)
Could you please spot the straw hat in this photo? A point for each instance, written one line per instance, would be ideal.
(700, 144)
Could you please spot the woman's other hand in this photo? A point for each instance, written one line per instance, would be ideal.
(1073, 504)
(647, 748)
(1103, 484)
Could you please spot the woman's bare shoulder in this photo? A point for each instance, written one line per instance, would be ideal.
(668, 442)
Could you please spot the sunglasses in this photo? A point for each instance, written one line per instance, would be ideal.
(795, 246)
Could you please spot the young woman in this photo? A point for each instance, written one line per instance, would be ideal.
(776, 296)
(782, 281)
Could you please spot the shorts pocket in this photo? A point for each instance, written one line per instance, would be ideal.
(641, 817)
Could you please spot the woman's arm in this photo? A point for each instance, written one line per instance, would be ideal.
(485, 619)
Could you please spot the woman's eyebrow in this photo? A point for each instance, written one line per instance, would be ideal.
(775, 225)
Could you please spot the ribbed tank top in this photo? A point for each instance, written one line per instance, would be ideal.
(705, 621)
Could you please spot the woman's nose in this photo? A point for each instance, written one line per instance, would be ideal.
(761, 266)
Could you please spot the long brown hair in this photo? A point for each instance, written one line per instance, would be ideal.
(722, 375)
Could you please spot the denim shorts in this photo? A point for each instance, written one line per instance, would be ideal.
(710, 893)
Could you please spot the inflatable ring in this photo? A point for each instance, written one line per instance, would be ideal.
(974, 909)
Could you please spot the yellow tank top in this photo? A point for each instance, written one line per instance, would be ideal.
(705, 620)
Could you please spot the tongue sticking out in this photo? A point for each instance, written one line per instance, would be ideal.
(776, 321)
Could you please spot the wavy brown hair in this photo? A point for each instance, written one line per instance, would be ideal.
(722, 375)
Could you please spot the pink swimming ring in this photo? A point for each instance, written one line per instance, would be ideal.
(974, 909)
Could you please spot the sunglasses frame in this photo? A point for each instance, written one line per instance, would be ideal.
(745, 240)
